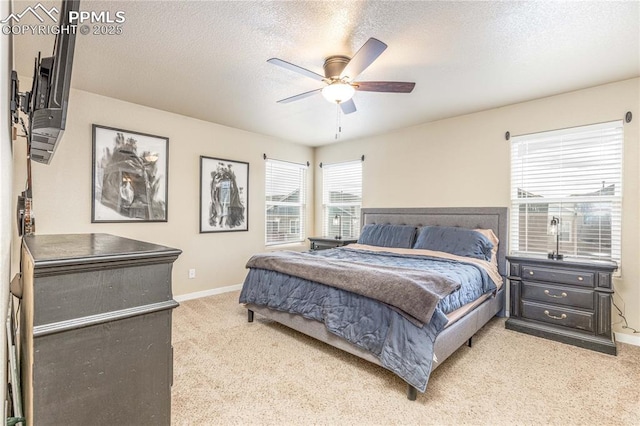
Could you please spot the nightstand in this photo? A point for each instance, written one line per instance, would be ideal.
(564, 300)
(323, 243)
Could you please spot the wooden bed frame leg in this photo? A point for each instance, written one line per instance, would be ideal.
(412, 393)
(470, 342)
(249, 315)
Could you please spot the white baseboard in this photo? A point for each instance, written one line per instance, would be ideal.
(206, 293)
(628, 338)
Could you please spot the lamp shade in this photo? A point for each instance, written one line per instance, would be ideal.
(553, 228)
(338, 92)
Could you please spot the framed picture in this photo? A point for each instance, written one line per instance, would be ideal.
(224, 195)
(130, 176)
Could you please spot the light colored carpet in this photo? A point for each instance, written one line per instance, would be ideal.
(228, 371)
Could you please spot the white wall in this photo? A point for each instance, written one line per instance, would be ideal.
(62, 190)
(5, 191)
(464, 161)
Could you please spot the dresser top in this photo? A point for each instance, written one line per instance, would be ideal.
(567, 262)
(65, 249)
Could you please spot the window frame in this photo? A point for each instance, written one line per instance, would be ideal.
(559, 164)
(301, 204)
(351, 208)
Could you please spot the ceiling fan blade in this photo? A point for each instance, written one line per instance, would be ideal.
(299, 96)
(384, 86)
(364, 57)
(348, 107)
(295, 68)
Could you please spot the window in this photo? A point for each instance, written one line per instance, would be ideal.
(285, 202)
(574, 175)
(342, 198)
(273, 226)
(294, 226)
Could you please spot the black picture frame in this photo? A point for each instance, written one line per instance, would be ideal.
(224, 195)
(130, 176)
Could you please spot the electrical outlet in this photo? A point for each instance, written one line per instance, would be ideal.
(192, 273)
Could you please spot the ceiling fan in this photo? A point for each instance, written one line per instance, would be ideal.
(339, 75)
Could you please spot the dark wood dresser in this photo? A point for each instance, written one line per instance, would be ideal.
(564, 300)
(95, 330)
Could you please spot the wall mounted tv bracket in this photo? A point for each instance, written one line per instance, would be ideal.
(15, 97)
(20, 101)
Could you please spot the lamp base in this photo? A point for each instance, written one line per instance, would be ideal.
(555, 256)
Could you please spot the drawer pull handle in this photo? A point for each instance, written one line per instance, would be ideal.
(561, 317)
(530, 272)
(563, 294)
(580, 279)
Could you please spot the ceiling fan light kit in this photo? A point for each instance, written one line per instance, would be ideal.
(338, 92)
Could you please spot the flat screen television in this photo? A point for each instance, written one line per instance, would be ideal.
(49, 96)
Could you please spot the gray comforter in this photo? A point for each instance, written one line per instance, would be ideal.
(412, 291)
(401, 345)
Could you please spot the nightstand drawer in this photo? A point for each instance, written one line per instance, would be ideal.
(559, 295)
(560, 276)
(558, 316)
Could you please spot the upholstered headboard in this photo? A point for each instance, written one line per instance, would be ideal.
(494, 218)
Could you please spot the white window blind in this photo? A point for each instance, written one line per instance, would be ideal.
(572, 174)
(285, 202)
(342, 199)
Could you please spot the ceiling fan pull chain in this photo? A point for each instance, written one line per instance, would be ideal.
(338, 126)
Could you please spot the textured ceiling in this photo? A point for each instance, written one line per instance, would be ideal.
(207, 60)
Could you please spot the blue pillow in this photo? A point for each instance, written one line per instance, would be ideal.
(401, 236)
(458, 241)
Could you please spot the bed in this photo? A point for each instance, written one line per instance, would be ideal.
(406, 301)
